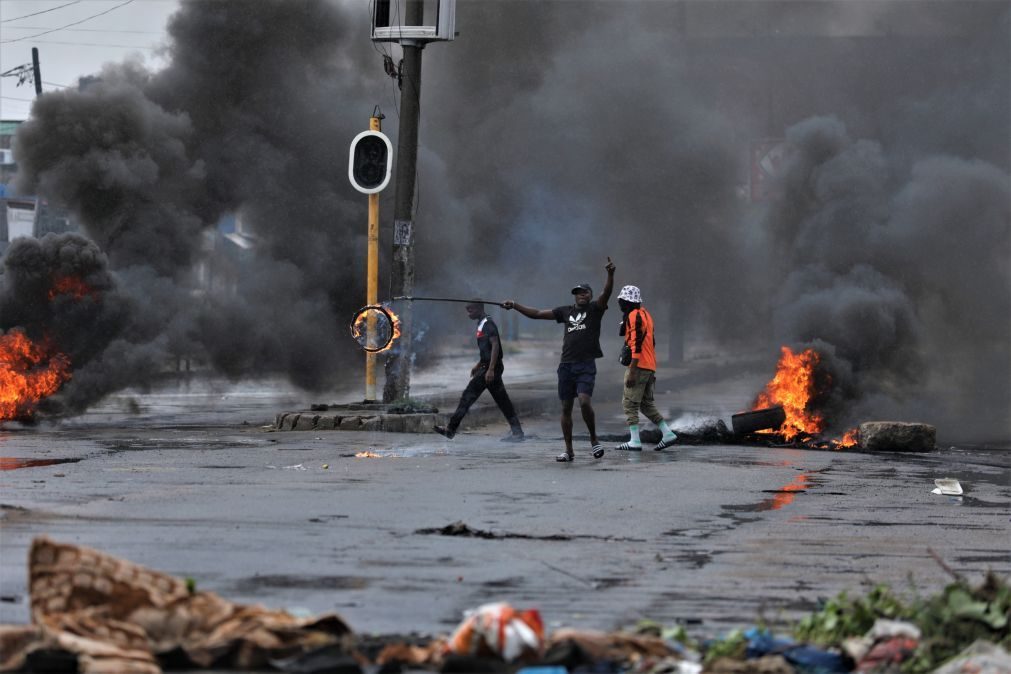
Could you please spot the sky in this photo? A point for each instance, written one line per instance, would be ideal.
(103, 31)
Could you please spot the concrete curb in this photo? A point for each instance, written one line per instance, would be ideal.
(354, 418)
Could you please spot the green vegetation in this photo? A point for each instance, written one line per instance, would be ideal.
(949, 622)
(409, 406)
(843, 617)
(732, 645)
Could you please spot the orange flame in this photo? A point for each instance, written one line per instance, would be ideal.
(361, 327)
(793, 386)
(29, 372)
(70, 285)
(849, 439)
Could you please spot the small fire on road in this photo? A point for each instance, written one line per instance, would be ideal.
(793, 387)
(797, 386)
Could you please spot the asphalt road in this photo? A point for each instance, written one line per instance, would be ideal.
(711, 536)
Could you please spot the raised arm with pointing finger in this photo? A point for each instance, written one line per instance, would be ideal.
(549, 314)
(605, 294)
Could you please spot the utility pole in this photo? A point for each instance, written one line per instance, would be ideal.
(36, 72)
(409, 31)
(28, 72)
(398, 365)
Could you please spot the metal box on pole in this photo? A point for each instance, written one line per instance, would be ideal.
(389, 23)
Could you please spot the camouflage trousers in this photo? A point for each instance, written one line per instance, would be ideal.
(638, 397)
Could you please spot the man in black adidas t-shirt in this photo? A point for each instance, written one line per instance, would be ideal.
(580, 349)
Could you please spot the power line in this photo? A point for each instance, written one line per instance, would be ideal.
(94, 44)
(13, 98)
(93, 16)
(87, 30)
(53, 9)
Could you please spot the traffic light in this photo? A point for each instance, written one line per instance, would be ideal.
(370, 164)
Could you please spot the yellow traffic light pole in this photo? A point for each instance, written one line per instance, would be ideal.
(372, 282)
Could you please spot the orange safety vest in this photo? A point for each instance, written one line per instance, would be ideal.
(641, 339)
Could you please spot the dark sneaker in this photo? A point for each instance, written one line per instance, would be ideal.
(564, 456)
(598, 451)
(514, 437)
(442, 430)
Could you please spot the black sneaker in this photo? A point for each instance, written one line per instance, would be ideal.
(442, 430)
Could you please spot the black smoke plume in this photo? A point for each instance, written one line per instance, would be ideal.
(555, 134)
(252, 116)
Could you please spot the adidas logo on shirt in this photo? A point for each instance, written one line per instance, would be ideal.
(577, 322)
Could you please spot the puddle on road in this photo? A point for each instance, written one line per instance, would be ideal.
(783, 496)
(13, 463)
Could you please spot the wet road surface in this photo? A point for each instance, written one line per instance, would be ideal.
(711, 536)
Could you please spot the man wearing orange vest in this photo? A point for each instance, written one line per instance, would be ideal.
(640, 379)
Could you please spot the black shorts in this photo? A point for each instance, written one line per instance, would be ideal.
(576, 378)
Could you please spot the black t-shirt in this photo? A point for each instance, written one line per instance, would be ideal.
(582, 331)
(486, 329)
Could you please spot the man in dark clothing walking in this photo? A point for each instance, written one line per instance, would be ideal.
(487, 374)
(580, 349)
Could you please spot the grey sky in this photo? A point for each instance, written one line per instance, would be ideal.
(134, 29)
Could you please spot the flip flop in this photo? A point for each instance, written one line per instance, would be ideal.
(629, 447)
(564, 456)
(598, 451)
(664, 444)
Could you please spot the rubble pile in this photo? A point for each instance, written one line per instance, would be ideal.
(96, 614)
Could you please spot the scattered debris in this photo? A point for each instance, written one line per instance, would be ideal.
(947, 486)
(460, 528)
(92, 612)
(95, 614)
(981, 657)
(501, 631)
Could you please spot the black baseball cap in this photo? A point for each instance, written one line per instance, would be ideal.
(581, 287)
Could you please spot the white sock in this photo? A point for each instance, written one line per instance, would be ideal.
(668, 434)
(633, 431)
